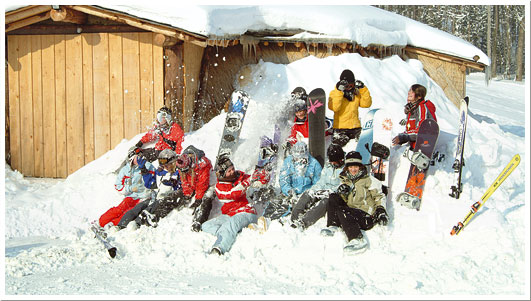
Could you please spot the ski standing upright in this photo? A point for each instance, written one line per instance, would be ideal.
(459, 162)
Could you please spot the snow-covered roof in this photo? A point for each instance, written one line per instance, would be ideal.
(360, 24)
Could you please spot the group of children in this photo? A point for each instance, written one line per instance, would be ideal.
(342, 189)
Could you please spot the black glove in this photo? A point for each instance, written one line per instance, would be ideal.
(359, 84)
(170, 182)
(380, 216)
(196, 203)
(401, 139)
(343, 189)
(139, 144)
(403, 122)
(341, 85)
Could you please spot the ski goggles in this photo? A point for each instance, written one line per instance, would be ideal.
(165, 161)
(299, 95)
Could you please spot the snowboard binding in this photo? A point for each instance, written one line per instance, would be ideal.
(408, 200)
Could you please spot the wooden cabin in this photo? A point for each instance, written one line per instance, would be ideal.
(81, 78)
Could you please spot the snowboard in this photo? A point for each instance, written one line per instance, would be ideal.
(102, 237)
(458, 163)
(233, 123)
(382, 136)
(426, 140)
(317, 124)
(366, 137)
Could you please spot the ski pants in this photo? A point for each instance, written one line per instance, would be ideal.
(277, 208)
(226, 228)
(202, 211)
(343, 136)
(159, 207)
(114, 214)
(310, 207)
(351, 220)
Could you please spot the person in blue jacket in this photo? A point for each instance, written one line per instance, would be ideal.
(299, 172)
(168, 197)
(311, 206)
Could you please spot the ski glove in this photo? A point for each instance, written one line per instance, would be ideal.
(403, 122)
(380, 216)
(171, 182)
(401, 139)
(139, 144)
(141, 161)
(359, 84)
(343, 189)
(342, 85)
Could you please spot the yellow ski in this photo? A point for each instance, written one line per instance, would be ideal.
(475, 207)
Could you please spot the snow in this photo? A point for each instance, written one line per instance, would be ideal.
(50, 251)
(361, 24)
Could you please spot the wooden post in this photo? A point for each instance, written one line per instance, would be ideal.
(174, 80)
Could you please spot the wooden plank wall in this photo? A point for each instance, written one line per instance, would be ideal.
(74, 97)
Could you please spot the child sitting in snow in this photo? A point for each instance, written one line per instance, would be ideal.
(358, 204)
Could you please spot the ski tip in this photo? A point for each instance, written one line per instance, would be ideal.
(112, 252)
(466, 100)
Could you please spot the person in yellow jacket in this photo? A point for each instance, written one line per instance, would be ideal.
(348, 95)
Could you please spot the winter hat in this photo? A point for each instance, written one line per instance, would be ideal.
(300, 105)
(353, 158)
(335, 153)
(223, 165)
(167, 156)
(348, 76)
(164, 113)
(299, 150)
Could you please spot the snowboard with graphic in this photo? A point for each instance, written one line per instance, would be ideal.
(366, 137)
(426, 140)
(233, 124)
(317, 124)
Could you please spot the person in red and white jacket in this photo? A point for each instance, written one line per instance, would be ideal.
(236, 212)
(167, 133)
(417, 110)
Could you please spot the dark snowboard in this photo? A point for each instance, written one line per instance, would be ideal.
(317, 124)
(426, 140)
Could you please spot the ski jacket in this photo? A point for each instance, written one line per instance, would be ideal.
(299, 132)
(128, 178)
(365, 194)
(345, 111)
(150, 178)
(425, 110)
(197, 178)
(299, 176)
(171, 139)
(233, 195)
(329, 179)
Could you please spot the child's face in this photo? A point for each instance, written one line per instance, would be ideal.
(410, 96)
(301, 114)
(353, 169)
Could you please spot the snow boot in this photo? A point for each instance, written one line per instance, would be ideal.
(356, 246)
(260, 226)
(329, 231)
(216, 251)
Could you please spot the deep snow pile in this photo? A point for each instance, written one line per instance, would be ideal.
(49, 249)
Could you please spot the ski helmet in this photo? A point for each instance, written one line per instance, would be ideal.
(222, 166)
(300, 105)
(299, 93)
(167, 156)
(335, 153)
(164, 113)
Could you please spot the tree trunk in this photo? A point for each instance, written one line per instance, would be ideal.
(508, 46)
(520, 51)
(495, 43)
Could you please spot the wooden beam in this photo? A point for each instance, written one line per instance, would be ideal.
(68, 15)
(28, 21)
(445, 57)
(26, 12)
(168, 31)
(46, 29)
(164, 41)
